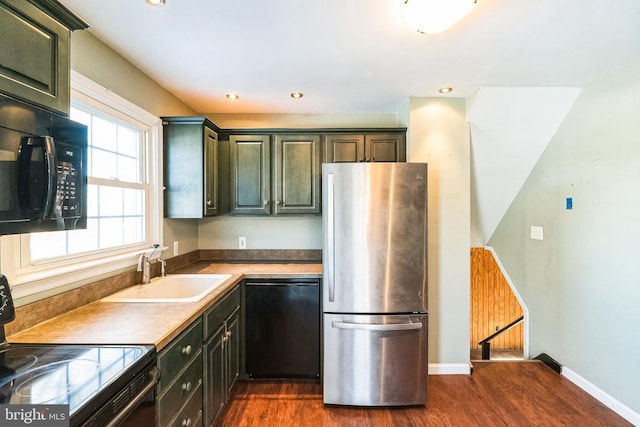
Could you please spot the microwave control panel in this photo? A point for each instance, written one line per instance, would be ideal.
(69, 164)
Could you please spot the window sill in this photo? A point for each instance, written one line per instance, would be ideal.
(33, 286)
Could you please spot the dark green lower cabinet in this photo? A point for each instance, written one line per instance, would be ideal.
(179, 392)
(221, 354)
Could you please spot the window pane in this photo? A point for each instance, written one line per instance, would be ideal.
(84, 240)
(111, 232)
(103, 134)
(133, 230)
(110, 201)
(105, 164)
(133, 202)
(128, 169)
(128, 142)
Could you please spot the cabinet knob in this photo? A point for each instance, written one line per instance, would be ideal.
(278, 202)
(186, 350)
(361, 159)
(186, 423)
(266, 203)
(228, 334)
(186, 386)
(209, 203)
(367, 160)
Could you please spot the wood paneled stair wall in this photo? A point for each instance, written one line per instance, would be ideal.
(493, 304)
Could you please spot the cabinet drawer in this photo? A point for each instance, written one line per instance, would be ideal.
(179, 391)
(173, 359)
(219, 312)
(191, 414)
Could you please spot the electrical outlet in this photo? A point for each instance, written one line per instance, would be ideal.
(242, 242)
(176, 248)
(537, 232)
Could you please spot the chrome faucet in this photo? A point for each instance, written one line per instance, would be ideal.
(145, 266)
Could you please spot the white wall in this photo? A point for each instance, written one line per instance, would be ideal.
(582, 282)
(440, 136)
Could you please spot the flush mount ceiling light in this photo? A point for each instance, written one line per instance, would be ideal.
(232, 96)
(434, 16)
(156, 2)
(297, 95)
(445, 89)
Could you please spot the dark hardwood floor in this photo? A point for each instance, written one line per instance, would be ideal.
(496, 394)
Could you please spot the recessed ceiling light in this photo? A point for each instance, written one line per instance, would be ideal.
(297, 95)
(232, 96)
(156, 2)
(445, 90)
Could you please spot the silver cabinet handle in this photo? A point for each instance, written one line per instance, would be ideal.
(377, 326)
(331, 285)
(186, 350)
(186, 423)
(186, 386)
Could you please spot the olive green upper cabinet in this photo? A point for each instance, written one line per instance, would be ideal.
(297, 174)
(35, 52)
(275, 174)
(250, 174)
(194, 173)
(369, 147)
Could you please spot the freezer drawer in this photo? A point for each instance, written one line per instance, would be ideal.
(375, 360)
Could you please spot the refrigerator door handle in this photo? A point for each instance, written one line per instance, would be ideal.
(377, 326)
(331, 285)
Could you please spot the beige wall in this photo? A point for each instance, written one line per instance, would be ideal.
(440, 136)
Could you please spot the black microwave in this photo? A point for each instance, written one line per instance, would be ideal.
(43, 180)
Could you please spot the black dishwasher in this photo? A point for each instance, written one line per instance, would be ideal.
(282, 328)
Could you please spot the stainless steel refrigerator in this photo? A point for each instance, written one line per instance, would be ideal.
(375, 330)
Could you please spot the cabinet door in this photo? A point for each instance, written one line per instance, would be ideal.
(34, 56)
(296, 177)
(232, 345)
(250, 174)
(183, 174)
(385, 148)
(215, 384)
(210, 172)
(344, 148)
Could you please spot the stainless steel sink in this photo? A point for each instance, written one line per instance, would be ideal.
(171, 288)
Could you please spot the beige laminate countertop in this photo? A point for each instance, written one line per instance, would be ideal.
(151, 323)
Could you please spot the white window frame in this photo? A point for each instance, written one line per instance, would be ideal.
(48, 277)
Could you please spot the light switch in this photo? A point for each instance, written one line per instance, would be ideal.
(537, 233)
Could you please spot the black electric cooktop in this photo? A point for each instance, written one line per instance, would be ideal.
(63, 374)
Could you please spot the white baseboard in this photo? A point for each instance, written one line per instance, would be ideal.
(616, 406)
(449, 369)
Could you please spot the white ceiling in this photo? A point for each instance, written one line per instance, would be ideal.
(520, 63)
(357, 56)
